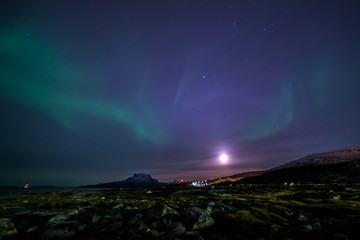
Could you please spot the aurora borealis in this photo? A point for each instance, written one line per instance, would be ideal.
(93, 91)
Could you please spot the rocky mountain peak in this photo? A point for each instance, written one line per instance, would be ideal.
(141, 177)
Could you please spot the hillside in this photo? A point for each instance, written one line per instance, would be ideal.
(138, 180)
(342, 172)
(337, 156)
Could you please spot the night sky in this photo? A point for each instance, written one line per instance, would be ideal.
(94, 91)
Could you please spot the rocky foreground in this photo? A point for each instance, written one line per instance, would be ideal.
(241, 211)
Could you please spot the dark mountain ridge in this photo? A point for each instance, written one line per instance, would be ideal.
(332, 167)
(337, 156)
(138, 180)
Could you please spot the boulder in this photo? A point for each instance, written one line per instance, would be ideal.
(193, 234)
(166, 210)
(202, 218)
(156, 225)
(132, 233)
(130, 208)
(62, 218)
(118, 206)
(176, 229)
(113, 227)
(32, 229)
(136, 219)
(95, 218)
(227, 207)
(159, 211)
(7, 227)
(336, 197)
(154, 233)
(57, 233)
(302, 218)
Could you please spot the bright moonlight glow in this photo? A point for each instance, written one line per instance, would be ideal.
(223, 158)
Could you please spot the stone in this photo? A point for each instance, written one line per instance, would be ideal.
(289, 213)
(166, 210)
(143, 227)
(118, 206)
(202, 218)
(136, 219)
(159, 211)
(218, 210)
(117, 217)
(113, 227)
(57, 233)
(336, 197)
(58, 219)
(308, 227)
(106, 218)
(132, 233)
(193, 233)
(302, 218)
(63, 217)
(83, 227)
(316, 226)
(85, 209)
(341, 236)
(227, 207)
(156, 224)
(7, 227)
(130, 208)
(32, 229)
(176, 229)
(154, 233)
(72, 212)
(203, 224)
(95, 218)
(153, 213)
(109, 201)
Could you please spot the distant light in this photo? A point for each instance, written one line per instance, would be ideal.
(224, 158)
(182, 180)
(26, 185)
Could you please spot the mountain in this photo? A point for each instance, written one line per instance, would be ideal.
(138, 180)
(9, 187)
(337, 156)
(248, 174)
(336, 166)
(236, 177)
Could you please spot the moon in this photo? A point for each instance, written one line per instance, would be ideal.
(223, 158)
